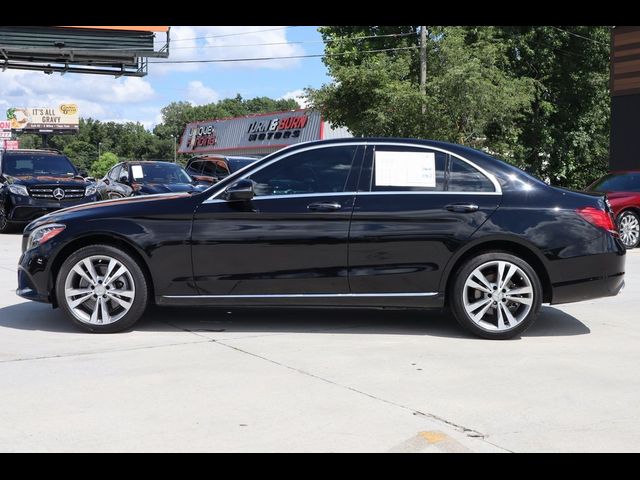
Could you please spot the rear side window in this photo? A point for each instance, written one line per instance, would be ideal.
(618, 182)
(466, 178)
(407, 169)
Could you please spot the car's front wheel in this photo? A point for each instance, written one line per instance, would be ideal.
(102, 289)
(496, 295)
(5, 226)
(629, 228)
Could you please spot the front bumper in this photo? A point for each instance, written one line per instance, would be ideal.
(26, 209)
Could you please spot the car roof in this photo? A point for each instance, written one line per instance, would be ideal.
(50, 151)
(221, 157)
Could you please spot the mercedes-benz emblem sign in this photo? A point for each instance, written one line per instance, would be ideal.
(58, 194)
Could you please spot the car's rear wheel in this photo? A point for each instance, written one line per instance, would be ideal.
(629, 228)
(496, 295)
(102, 289)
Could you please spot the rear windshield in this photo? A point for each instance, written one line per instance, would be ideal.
(618, 182)
(34, 164)
(236, 164)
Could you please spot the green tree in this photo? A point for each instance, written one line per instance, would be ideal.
(100, 167)
(535, 96)
(81, 153)
(564, 136)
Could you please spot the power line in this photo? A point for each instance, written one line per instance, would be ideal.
(301, 42)
(223, 60)
(581, 36)
(235, 34)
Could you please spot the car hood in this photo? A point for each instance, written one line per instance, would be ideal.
(33, 180)
(105, 208)
(154, 188)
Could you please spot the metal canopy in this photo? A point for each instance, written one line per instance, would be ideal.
(78, 50)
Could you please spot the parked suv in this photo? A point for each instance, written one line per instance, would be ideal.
(36, 182)
(213, 168)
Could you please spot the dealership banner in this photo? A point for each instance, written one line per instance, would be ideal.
(272, 130)
(62, 117)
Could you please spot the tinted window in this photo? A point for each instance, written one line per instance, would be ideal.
(618, 182)
(402, 169)
(322, 170)
(214, 169)
(195, 168)
(114, 174)
(35, 164)
(159, 173)
(465, 178)
(236, 164)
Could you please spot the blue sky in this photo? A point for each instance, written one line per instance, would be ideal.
(140, 99)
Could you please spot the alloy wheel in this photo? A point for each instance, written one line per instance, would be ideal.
(629, 229)
(99, 290)
(3, 218)
(497, 296)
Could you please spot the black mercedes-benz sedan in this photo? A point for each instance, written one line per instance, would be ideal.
(146, 177)
(348, 222)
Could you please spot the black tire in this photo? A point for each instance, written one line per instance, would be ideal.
(631, 215)
(140, 301)
(457, 291)
(5, 225)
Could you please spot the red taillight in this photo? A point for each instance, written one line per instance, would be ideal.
(599, 218)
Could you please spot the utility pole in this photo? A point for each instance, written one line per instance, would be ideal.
(175, 148)
(423, 65)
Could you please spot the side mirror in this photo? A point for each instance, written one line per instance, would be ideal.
(124, 179)
(83, 173)
(242, 190)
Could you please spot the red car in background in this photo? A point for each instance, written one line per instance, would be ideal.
(623, 191)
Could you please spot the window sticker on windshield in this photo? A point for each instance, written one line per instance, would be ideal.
(405, 169)
(137, 171)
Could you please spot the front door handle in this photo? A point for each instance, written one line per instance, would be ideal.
(462, 207)
(324, 206)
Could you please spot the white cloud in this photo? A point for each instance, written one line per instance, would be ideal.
(297, 95)
(96, 96)
(199, 94)
(222, 42)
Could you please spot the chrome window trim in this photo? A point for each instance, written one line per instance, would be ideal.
(309, 295)
(490, 176)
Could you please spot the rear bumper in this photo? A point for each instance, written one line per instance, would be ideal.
(588, 289)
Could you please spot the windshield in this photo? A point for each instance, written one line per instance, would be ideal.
(159, 173)
(617, 182)
(28, 164)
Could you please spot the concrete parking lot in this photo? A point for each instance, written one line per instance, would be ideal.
(196, 379)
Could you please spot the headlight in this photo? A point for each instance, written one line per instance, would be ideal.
(43, 234)
(90, 190)
(19, 190)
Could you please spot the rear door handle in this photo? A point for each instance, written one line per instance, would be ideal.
(462, 207)
(324, 206)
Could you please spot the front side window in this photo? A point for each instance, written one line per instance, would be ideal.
(321, 170)
(407, 169)
(465, 178)
(195, 168)
(114, 174)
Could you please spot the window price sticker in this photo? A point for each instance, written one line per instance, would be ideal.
(405, 169)
(137, 171)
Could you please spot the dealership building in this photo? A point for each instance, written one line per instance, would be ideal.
(625, 98)
(259, 134)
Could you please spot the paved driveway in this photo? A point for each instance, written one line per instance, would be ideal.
(194, 379)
